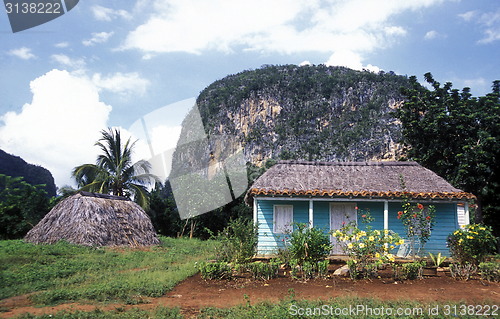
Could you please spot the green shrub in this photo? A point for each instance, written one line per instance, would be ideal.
(472, 243)
(239, 241)
(309, 244)
(410, 271)
(263, 271)
(323, 268)
(308, 270)
(490, 271)
(216, 270)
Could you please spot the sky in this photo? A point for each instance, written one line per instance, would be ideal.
(136, 64)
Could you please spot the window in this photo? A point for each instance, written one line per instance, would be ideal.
(283, 219)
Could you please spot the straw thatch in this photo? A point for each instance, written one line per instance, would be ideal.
(95, 220)
(353, 179)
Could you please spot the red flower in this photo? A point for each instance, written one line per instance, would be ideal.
(364, 216)
(420, 206)
(414, 215)
(356, 208)
(400, 213)
(399, 216)
(428, 217)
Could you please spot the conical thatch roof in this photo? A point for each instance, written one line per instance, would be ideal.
(95, 220)
(353, 179)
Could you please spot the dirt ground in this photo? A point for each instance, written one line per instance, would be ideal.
(195, 293)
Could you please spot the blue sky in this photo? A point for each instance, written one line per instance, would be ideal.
(110, 63)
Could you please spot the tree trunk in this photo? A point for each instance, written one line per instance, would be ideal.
(478, 216)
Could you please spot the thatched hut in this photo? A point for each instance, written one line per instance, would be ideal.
(95, 220)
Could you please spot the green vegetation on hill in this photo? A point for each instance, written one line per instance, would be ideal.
(321, 113)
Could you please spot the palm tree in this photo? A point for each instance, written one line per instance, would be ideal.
(114, 171)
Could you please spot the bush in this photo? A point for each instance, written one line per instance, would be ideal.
(471, 244)
(263, 271)
(309, 244)
(409, 271)
(239, 241)
(217, 270)
(463, 270)
(490, 271)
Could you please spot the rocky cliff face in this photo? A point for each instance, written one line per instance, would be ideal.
(315, 113)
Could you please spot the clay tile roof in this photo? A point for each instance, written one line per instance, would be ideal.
(353, 179)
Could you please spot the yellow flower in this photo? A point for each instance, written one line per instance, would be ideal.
(349, 245)
(392, 247)
(401, 242)
(386, 232)
(462, 226)
(362, 233)
(482, 228)
(460, 240)
(391, 257)
(470, 237)
(377, 255)
(376, 232)
(362, 245)
(371, 238)
(456, 232)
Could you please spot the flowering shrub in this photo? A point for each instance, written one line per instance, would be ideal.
(367, 249)
(418, 221)
(471, 243)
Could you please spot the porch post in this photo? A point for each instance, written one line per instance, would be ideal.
(254, 210)
(311, 214)
(386, 214)
(466, 208)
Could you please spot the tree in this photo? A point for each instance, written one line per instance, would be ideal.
(457, 136)
(22, 205)
(114, 173)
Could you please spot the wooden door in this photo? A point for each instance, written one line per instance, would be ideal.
(340, 214)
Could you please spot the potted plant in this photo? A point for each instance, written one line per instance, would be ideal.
(437, 260)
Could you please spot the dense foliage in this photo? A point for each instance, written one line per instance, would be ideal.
(22, 206)
(239, 241)
(456, 135)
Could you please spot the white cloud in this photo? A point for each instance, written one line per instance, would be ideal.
(98, 37)
(282, 26)
(106, 14)
(66, 61)
(467, 16)
(62, 45)
(59, 127)
(489, 22)
(433, 34)
(22, 53)
(122, 83)
(351, 60)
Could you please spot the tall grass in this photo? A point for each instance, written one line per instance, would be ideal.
(64, 272)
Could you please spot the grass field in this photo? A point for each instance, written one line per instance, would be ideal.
(65, 272)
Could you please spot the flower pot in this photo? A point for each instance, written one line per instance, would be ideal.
(430, 271)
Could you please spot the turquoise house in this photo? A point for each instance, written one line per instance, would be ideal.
(327, 194)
